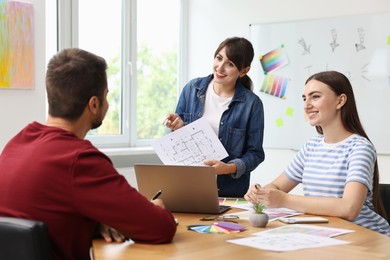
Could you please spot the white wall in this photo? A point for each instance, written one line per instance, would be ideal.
(19, 107)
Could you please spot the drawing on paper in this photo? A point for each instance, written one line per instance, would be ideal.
(274, 85)
(334, 44)
(273, 60)
(190, 145)
(360, 46)
(16, 45)
(365, 71)
(305, 46)
(192, 149)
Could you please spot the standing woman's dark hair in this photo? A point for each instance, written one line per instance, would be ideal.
(340, 84)
(240, 52)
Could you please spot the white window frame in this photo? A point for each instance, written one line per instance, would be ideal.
(68, 37)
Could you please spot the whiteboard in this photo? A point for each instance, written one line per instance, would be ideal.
(287, 53)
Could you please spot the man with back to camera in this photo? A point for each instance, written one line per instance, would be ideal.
(48, 172)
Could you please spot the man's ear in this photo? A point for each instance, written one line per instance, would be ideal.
(94, 104)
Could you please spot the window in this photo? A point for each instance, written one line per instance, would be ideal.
(141, 42)
(51, 29)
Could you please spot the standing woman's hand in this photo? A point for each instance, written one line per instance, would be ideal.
(221, 167)
(173, 122)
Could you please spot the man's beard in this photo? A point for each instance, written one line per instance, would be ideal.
(96, 123)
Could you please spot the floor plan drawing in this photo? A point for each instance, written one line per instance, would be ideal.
(190, 145)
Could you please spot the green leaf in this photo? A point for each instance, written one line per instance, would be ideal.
(258, 208)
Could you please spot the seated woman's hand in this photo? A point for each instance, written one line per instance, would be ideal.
(252, 193)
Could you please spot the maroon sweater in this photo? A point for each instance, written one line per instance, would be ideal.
(50, 175)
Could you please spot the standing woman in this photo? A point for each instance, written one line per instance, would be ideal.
(338, 168)
(225, 98)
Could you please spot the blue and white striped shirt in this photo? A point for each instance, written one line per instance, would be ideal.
(325, 169)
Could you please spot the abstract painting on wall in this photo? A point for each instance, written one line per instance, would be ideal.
(16, 45)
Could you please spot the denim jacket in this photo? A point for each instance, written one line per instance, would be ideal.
(240, 131)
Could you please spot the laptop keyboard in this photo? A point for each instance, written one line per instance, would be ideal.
(223, 208)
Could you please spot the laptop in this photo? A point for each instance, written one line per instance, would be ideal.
(189, 189)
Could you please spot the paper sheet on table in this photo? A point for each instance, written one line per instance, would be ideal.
(190, 145)
(307, 229)
(286, 242)
(242, 203)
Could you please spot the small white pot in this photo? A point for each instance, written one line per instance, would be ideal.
(258, 220)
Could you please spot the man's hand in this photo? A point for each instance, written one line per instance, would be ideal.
(110, 234)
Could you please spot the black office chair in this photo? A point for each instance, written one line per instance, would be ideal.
(24, 239)
(385, 195)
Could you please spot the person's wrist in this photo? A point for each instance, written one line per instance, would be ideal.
(232, 168)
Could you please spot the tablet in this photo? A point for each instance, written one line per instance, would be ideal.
(301, 220)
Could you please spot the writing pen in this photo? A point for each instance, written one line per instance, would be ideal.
(158, 193)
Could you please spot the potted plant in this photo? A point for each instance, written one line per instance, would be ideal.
(258, 218)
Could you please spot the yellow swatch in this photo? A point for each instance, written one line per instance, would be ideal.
(279, 122)
(290, 111)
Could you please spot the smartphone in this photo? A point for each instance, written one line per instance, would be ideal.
(301, 220)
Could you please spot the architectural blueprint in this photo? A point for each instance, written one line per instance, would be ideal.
(190, 145)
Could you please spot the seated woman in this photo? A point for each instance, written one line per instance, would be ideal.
(338, 168)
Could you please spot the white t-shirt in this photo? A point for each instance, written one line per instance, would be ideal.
(214, 107)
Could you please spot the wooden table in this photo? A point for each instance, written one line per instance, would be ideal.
(364, 244)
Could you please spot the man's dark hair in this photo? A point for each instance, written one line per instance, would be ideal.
(74, 76)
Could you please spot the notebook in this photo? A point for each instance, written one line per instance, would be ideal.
(189, 189)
